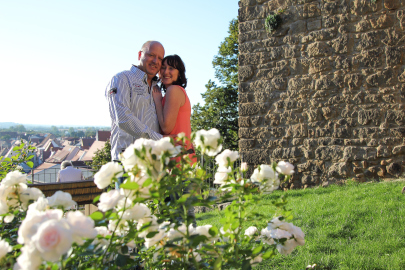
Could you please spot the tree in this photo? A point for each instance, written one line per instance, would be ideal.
(220, 109)
(18, 128)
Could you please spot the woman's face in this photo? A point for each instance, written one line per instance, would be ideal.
(168, 74)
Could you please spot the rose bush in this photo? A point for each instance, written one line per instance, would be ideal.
(149, 220)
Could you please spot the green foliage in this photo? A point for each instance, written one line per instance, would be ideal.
(17, 128)
(273, 21)
(23, 154)
(220, 108)
(101, 157)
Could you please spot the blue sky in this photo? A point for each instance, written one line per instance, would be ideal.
(56, 57)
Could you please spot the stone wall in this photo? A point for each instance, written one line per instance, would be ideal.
(324, 91)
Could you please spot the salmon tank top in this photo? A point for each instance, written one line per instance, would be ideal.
(183, 124)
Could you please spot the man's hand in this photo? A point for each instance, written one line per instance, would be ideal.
(157, 95)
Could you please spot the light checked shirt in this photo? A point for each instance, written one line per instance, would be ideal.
(132, 110)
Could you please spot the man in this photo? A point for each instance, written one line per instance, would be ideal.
(129, 95)
(67, 173)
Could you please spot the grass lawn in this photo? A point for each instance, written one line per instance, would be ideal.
(355, 226)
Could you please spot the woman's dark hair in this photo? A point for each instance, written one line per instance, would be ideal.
(176, 62)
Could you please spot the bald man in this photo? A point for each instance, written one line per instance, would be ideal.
(129, 95)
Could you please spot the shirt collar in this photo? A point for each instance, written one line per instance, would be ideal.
(139, 74)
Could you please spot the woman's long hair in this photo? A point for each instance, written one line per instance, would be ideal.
(176, 62)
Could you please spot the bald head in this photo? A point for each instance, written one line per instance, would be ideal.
(150, 58)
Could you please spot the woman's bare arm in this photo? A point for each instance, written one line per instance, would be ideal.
(167, 115)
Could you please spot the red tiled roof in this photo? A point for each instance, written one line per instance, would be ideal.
(43, 166)
(94, 147)
(87, 142)
(78, 155)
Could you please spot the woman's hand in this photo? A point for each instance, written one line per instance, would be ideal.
(157, 95)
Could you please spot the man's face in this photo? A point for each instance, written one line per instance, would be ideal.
(150, 60)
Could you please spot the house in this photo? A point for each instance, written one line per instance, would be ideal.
(103, 135)
(85, 143)
(97, 145)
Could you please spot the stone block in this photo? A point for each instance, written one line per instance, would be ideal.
(308, 10)
(297, 28)
(383, 151)
(341, 44)
(338, 170)
(386, 77)
(244, 121)
(392, 37)
(394, 56)
(246, 144)
(392, 4)
(248, 109)
(359, 153)
(323, 34)
(329, 153)
(367, 116)
(318, 49)
(399, 150)
(258, 156)
(353, 81)
(372, 58)
(360, 7)
(245, 73)
(394, 169)
(383, 21)
(314, 25)
(318, 65)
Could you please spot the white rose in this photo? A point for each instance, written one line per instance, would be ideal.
(244, 167)
(279, 234)
(3, 208)
(262, 173)
(177, 233)
(62, 199)
(298, 235)
(10, 194)
(14, 178)
(30, 194)
(207, 141)
(164, 145)
(149, 242)
(266, 237)
(153, 227)
(203, 230)
(221, 176)
(108, 200)
(30, 259)
(103, 232)
(53, 239)
(120, 228)
(222, 159)
(251, 231)
(4, 248)
(40, 205)
(103, 178)
(137, 212)
(33, 220)
(81, 226)
(128, 157)
(285, 168)
(287, 247)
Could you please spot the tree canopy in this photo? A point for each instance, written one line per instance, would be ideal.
(220, 108)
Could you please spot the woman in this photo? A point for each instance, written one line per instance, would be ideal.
(174, 109)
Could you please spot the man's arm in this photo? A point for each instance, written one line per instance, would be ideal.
(117, 93)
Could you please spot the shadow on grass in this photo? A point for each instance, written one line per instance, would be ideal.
(206, 216)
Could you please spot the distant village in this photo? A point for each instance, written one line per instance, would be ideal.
(51, 151)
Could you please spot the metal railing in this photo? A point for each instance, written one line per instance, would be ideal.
(50, 175)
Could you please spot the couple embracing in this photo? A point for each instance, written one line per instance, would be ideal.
(137, 106)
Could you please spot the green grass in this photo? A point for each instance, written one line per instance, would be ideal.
(355, 226)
